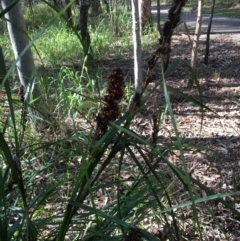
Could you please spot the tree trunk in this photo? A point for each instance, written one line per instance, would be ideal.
(96, 7)
(115, 19)
(107, 5)
(137, 47)
(196, 40)
(55, 3)
(158, 18)
(85, 4)
(69, 13)
(127, 3)
(145, 14)
(208, 33)
(25, 65)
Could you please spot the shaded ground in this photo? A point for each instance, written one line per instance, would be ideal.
(220, 24)
(220, 83)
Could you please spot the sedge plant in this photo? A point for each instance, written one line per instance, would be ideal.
(101, 179)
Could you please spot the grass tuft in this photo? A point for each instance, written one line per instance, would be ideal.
(63, 183)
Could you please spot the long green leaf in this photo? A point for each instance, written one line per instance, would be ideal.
(39, 34)
(145, 234)
(189, 98)
(179, 144)
(201, 200)
(3, 210)
(3, 74)
(8, 8)
(80, 190)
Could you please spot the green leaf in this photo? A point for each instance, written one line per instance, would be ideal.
(201, 200)
(145, 234)
(33, 231)
(11, 5)
(3, 211)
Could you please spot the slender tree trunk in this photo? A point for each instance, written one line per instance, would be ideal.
(85, 4)
(115, 19)
(145, 14)
(55, 3)
(196, 40)
(69, 13)
(158, 18)
(107, 5)
(137, 47)
(96, 9)
(25, 65)
(77, 3)
(208, 33)
(128, 4)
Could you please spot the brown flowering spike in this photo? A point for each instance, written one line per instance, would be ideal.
(154, 129)
(110, 112)
(134, 235)
(21, 93)
(164, 48)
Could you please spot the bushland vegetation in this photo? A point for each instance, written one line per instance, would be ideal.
(107, 165)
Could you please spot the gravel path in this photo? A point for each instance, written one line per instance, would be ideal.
(220, 24)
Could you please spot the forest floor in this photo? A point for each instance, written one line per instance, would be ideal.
(220, 84)
(219, 130)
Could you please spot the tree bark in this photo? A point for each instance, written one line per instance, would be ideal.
(196, 40)
(127, 3)
(69, 13)
(25, 65)
(115, 19)
(137, 47)
(145, 14)
(208, 33)
(107, 5)
(85, 4)
(96, 9)
(158, 18)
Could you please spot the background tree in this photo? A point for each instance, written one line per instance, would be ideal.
(208, 33)
(96, 8)
(69, 13)
(107, 5)
(25, 65)
(158, 17)
(196, 40)
(145, 14)
(83, 25)
(137, 47)
(115, 19)
(128, 4)
(55, 3)
(60, 4)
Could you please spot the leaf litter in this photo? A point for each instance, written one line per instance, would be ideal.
(219, 131)
(219, 171)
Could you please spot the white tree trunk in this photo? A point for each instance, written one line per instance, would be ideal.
(16, 28)
(197, 35)
(196, 40)
(137, 47)
(25, 66)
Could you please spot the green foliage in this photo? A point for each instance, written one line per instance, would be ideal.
(223, 10)
(37, 16)
(106, 33)
(62, 182)
(72, 93)
(59, 46)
